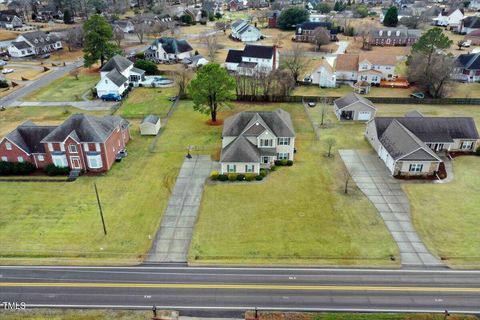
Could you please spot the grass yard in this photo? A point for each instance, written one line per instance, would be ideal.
(145, 101)
(66, 227)
(298, 215)
(346, 89)
(66, 88)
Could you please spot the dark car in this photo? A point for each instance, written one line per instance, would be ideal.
(111, 97)
(311, 104)
(174, 98)
(120, 155)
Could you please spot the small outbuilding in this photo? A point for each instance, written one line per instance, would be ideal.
(354, 107)
(150, 126)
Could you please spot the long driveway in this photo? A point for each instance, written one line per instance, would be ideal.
(386, 194)
(173, 238)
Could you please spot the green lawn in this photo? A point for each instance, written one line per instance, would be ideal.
(447, 216)
(343, 90)
(66, 88)
(145, 101)
(61, 220)
(298, 215)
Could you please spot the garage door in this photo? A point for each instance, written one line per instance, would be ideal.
(364, 115)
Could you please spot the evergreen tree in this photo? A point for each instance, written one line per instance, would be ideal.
(391, 17)
(98, 41)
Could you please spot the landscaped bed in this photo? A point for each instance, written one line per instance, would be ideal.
(298, 215)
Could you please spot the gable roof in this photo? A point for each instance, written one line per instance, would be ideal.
(151, 119)
(240, 150)
(28, 135)
(352, 98)
(257, 51)
(471, 22)
(39, 38)
(474, 33)
(20, 45)
(234, 56)
(400, 142)
(116, 77)
(278, 122)
(118, 63)
(469, 61)
(381, 59)
(346, 62)
(86, 128)
(173, 46)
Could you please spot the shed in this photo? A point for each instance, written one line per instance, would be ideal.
(354, 107)
(150, 125)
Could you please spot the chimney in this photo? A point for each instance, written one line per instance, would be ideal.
(274, 66)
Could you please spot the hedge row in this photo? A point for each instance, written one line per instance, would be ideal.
(215, 175)
(53, 170)
(284, 162)
(16, 168)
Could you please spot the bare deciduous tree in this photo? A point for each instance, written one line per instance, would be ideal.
(295, 62)
(74, 38)
(346, 180)
(141, 27)
(460, 44)
(211, 42)
(364, 30)
(319, 37)
(118, 36)
(330, 143)
(75, 73)
(182, 78)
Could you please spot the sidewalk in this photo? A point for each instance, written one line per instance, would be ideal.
(83, 105)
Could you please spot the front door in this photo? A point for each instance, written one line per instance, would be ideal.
(265, 160)
(75, 161)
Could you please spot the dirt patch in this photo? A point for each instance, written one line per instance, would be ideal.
(455, 154)
(217, 123)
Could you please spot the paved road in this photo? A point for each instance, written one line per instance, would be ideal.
(386, 194)
(230, 291)
(93, 105)
(173, 238)
(31, 86)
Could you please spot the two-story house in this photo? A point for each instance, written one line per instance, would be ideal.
(467, 68)
(393, 37)
(82, 142)
(450, 19)
(470, 24)
(253, 59)
(409, 145)
(253, 140)
(117, 75)
(304, 32)
(368, 67)
(126, 26)
(243, 31)
(34, 43)
(168, 50)
(10, 21)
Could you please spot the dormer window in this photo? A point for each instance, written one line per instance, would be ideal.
(389, 33)
(41, 40)
(380, 33)
(36, 40)
(47, 38)
(398, 33)
(72, 148)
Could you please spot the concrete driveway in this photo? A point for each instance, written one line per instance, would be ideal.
(173, 238)
(385, 192)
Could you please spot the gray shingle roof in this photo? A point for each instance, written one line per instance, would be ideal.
(117, 78)
(151, 119)
(240, 150)
(414, 114)
(28, 135)
(279, 122)
(21, 45)
(352, 98)
(137, 70)
(173, 46)
(86, 128)
(39, 38)
(118, 63)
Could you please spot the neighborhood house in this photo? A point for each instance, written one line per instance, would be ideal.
(117, 75)
(82, 142)
(243, 31)
(253, 59)
(368, 67)
(10, 21)
(305, 31)
(34, 43)
(451, 19)
(354, 107)
(254, 140)
(412, 145)
(393, 37)
(168, 50)
(467, 68)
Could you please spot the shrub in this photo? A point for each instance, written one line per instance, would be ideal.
(3, 83)
(16, 168)
(263, 172)
(283, 162)
(214, 175)
(273, 168)
(186, 19)
(278, 163)
(53, 170)
(289, 163)
(232, 176)
(149, 66)
(477, 152)
(249, 176)
(6, 168)
(240, 177)
(222, 177)
(259, 178)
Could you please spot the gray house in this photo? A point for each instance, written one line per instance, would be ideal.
(354, 107)
(412, 145)
(254, 140)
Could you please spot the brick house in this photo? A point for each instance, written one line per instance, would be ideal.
(393, 37)
(82, 142)
(304, 32)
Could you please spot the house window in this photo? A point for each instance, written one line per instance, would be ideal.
(20, 159)
(467, 145)
(265, 159)
(4, 159)
(266, 142)
(50, 147)
(72, 148)
(415, 167)
(40, 157)
(283, 141)
(85, 147)
(249, 167)
(60, 161)
(95, 162)
(8, 145)
(62, 147)
(231, 168)
(97, 147)
(282, 156)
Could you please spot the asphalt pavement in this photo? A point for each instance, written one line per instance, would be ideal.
(200, 291)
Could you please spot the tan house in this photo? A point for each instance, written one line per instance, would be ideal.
(369, 67)
(354, 107)
(412, 145)
(150, 125)
(254, 140)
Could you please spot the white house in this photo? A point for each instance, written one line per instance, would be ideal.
(125, 26)
(324, 74)
(253, 140)
(150, 125)
(474, 5)
(253, 59)
(168, 50)
(470, 24)
(10, 21)
(242, 30)
(117, 75)
(34, 43)
(451, 19)
(195, 61)
(368, 67)
(354, 107)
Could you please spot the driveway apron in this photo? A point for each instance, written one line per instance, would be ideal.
(385, 192)
(173, 238)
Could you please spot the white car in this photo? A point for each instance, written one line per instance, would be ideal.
(5, 71)
(467, 44)
(3, 63)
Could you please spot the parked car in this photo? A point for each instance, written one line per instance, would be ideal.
(120, 155)
(467, 43)
(311, 104)
(111, 97)
(3, 63)
(5, 71)
(45, 56)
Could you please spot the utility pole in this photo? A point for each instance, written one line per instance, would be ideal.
(100, 208)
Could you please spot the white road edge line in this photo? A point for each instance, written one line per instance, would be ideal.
(247, 308)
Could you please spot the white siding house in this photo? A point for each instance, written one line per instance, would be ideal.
(253, 59)
(242, 30)
(34, 43)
